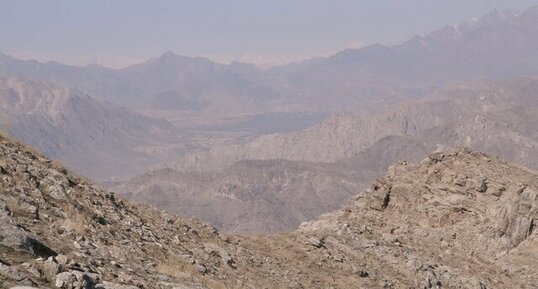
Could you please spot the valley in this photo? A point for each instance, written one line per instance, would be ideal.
(390, 165)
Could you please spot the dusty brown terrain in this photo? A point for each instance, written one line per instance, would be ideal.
(497, 117)
(459, 219)
(284, 181)
(267, 196)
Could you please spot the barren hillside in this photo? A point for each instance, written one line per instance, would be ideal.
(459, 219)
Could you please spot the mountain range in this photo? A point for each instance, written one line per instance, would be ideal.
(494, 116)
(275, 182)
(498, 45)
(260, 196)
(199, 119)
(317, 174)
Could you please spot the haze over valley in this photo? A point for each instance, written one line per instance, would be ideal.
(325, 172)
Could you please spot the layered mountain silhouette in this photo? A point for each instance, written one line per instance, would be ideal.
(498, 45)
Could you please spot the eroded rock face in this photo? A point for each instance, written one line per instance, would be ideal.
(459, 219)
(58, 231)
(495, 117)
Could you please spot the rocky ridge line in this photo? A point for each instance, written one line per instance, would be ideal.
(459, 219)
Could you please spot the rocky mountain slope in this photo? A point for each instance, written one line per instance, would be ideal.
(250, 196)
(459, 219)
(268, 195)
(99, 139)
(453, 207)
(496, 117)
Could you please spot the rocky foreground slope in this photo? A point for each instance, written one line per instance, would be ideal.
(459, 219)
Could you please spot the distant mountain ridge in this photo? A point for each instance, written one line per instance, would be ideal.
(389, 98)
(498, 45)
(248, 197)
(138, 85)
(496, 116)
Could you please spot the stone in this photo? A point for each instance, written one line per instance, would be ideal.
(315, 242)
(65, 280)
(362, 273)
(478, 184)
(110, 285)
(10, 272)
(77, 280)
(56, 192)
(14, 237)
(495, 190)
(62, 259)
(51, 268)
(226, 257)
(28, 210)
(31, 269)
(200, 268)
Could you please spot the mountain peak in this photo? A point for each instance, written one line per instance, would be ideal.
(169, 54)
(172, 57)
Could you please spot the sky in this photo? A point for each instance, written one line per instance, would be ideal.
(116, 33)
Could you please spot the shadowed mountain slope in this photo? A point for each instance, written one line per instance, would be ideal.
(268, 195)
(99, 139)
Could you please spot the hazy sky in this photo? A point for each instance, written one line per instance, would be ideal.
(118, 32)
